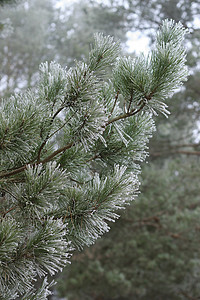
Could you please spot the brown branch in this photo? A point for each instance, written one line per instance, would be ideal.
(155, 217)
(184, 145)
(148, 221)
(187, 152)
(47, 159)
(14, 172)
(58, 129)
(188, 296)
(12, 208)
(93, 158)
(152, 224)
(55, 153)
(175, 235)
(79, 182)
(157, 154)
(126, 115)
(133, 111)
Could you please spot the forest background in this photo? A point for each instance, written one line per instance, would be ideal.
(152, 252)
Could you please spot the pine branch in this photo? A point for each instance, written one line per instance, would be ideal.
(49, 193)
(63, 149)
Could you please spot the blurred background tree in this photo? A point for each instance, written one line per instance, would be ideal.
(155, 254)
(152, 252)
(3, 2)
(41, 32)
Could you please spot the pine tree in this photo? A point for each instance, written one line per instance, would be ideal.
(70, 153)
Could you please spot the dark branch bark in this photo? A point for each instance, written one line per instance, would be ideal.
(13, 172)
(126, 115)
(47, 159)
(55, 153)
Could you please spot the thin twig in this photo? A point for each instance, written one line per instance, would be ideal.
(12, 208)
(93, 158)
(185, 145)
(116, 98)
(126, 115)
(47, 159)
(157, 154)
(62, 125)
(130, 101)
(63, 149)
(13, 172)
(47, 136)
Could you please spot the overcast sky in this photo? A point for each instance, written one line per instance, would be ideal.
(136, 41)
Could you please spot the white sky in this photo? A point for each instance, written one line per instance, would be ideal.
(136, 42)
(61, 3)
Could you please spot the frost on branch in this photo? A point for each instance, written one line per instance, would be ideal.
(70, 154)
